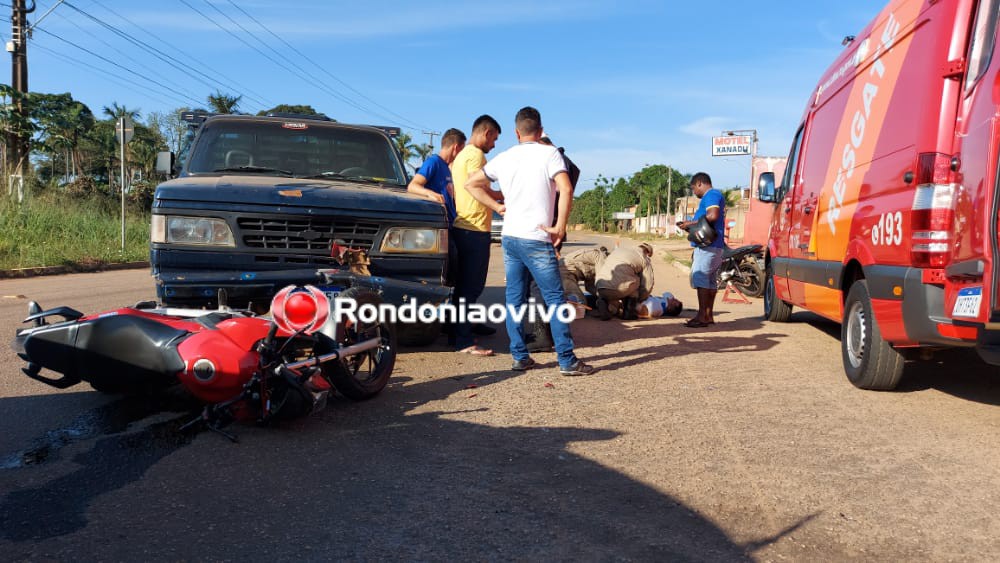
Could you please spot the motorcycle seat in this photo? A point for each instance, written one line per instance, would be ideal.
(740, 251)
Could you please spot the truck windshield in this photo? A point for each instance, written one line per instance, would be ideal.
(302, 150)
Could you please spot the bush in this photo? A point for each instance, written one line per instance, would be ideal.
(55, 228)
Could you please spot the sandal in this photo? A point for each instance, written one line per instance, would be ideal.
(695, 324)
(476, 351)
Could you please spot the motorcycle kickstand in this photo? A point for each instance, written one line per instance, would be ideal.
(205, 417)
(232, 437)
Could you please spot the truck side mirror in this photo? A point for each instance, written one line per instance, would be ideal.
(765, 188)
(165, 163)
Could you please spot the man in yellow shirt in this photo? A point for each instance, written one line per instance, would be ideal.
(471, 229)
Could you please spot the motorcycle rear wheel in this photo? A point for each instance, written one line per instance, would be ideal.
(750, 279)
(364, 375)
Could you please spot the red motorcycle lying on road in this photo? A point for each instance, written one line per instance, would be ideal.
(243, 366)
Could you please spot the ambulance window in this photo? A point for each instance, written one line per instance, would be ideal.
(984, 33)
(793, 161)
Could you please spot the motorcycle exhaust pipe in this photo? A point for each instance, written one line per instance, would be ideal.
(336, 354)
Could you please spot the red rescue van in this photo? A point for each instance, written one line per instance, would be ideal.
(887, 215)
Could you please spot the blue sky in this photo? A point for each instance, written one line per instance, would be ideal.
(620, 85)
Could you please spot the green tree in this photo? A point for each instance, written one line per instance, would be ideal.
(116, 111)
(61, 122)
(15, 122)
(591, 207)
(300, 109)
(223, 103)
(406, 148)
(170, 127)
(424, 151)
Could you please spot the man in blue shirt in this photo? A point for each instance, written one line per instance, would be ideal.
(707, 259)
(433, 180)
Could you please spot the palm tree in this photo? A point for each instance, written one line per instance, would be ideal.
(116, 111)
(404, 143)
(424, 151)
(223, 103)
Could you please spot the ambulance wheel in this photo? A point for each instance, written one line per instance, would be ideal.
(363, 375)
(869, 361)
(775, 310)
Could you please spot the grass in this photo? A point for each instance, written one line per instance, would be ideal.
(53, 229)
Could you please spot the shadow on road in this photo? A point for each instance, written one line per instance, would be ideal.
(372, 480)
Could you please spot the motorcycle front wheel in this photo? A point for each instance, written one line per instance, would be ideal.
(363, 375)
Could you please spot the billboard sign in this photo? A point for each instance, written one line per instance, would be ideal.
(731, 145)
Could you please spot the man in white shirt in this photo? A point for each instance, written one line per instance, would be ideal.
(529, 174)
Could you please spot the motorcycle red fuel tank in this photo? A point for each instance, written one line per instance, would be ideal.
(217, 363)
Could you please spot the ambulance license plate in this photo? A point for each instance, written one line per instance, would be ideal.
(967, 304)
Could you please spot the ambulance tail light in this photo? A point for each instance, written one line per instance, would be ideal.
(932, 216)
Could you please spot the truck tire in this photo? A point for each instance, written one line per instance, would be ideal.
(869, 361)
(775, 310)
(418, 334)
(364, 375)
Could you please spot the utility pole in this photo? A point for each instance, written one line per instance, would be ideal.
(670, 178)
(432, 134)
(18, 48)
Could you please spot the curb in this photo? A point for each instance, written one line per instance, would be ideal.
(18, 273)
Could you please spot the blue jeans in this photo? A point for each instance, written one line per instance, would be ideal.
(522, 257)
(473, 253)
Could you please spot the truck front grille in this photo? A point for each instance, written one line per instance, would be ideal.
(306, 235)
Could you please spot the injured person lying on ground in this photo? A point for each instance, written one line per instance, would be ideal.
(623, 280)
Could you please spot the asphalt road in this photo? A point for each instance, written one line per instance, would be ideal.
(742, 441)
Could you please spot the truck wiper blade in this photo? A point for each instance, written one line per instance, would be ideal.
(321, 175)
(339, 176)
(253, 169)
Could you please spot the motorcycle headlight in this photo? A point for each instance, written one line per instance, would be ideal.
(415, 241)
(204, 231)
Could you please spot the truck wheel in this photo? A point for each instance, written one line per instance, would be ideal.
(364, 375)
(775, 310)
(870, 362)
(418, 334)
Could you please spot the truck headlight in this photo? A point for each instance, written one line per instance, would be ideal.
(415, 241)
(204, 231)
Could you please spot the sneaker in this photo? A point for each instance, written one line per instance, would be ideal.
(578, 368)
(523, 365)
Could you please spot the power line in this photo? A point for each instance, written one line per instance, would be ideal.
(305, 78)
(166, 58)
(303, 74)
(230, 84)
(317, 65)
(121, 80)
(113, 63)
(108, 45)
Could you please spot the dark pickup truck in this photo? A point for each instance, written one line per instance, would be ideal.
(263, 202)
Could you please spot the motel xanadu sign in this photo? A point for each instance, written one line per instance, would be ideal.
(730, 145)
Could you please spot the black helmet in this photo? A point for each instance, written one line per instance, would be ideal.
(702, 233)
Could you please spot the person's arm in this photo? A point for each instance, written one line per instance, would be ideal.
(557, 232)
(478, 187)
(418, 186)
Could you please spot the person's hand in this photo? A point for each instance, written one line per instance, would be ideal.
(502, 210)
(555, 234)
(434, 196)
